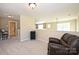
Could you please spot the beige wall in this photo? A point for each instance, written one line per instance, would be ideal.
(44, 35)
(73, 25)
(4, 23)
(77, 24)
(27, 24)
(54, 26)
(0, 22)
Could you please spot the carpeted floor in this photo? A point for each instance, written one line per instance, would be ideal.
(15, 47)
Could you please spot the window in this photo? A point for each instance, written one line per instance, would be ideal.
(63, 26)
(40, 26)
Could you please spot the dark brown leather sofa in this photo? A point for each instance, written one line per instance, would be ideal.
(67, 45)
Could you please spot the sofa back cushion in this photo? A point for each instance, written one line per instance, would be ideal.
(73, 40)
(75, 43)
(66, 37)
(69, 38)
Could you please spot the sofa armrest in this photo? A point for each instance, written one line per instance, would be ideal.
(60, 49)
(54, 40)
(57, 49)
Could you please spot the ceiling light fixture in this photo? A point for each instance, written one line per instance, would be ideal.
(10, 16)
(32, 5)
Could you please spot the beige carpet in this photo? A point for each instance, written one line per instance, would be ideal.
(15, 47)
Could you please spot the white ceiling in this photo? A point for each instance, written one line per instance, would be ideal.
(43, 10)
